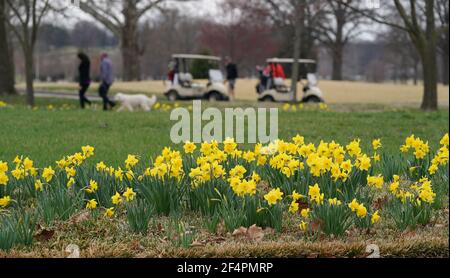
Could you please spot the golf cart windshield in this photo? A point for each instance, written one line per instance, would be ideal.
(198, 66)
(307, 66)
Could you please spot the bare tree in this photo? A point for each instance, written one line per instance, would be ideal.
(122, 17)
(6, 61)
(418, 20)
(442, 11)
(25, 21)
(338, 25)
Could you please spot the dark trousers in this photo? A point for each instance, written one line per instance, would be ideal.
(82, 92)
(103, 91)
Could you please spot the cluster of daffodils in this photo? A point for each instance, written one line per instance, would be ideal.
(3, 104)
(288, 107)
(327, 183)
(418, 192)
(168, 164)
(441, 157)
(165, 107)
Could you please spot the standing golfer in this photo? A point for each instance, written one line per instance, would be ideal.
(232, 75)
(107, 79)
(84, 78)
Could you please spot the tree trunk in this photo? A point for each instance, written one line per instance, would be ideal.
(445, 69)
(337, 54)
(300, 11)
(429, 101)
(6, 59)
(130, 45)
(416, 73)
(29, 65)
(429, 51)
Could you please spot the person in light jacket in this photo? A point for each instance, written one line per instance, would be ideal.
(106, 79)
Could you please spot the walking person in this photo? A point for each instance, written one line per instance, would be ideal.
(232, 75)
(84, 77)
(106, 79)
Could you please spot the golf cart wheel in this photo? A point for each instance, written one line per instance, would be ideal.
(214, 96)
(172, 95)
(267, 99)
(312, 99)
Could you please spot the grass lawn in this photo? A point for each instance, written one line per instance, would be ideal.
(58, 128)
(48, 135)
(336, 92)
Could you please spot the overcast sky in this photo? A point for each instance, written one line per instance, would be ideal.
(199, 8)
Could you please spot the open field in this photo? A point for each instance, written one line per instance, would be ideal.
(57, 128)
(56, 133)
(336, 92)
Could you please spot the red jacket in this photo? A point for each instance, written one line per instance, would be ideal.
(278, 71)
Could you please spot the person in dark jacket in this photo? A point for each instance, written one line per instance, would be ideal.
(84, 78)
(232, 75)
(107, 78)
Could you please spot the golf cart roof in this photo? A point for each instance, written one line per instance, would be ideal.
(290, 61)
(195, 57)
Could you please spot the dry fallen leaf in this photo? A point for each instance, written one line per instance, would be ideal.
(255, 233)
(197, 244)
(240, 232)
(80, 217)
(44, 235)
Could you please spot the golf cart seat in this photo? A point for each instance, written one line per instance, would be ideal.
(280, 86)
(185, 79)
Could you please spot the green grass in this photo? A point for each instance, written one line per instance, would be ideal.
(48, 135)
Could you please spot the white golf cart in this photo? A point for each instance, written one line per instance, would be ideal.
(183, 85)
(276, 90)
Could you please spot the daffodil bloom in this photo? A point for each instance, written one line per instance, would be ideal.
(70, 171)
(27, 163)
(273, 196)
(91, 204)
(296, 196)
(303, 226)
(101, 166)
(376, 157)
(3, 166)
(3, 178)
(109, 212)
(298, 140)
(48, 174)
(444, 140)
(92, 187)
(88, 151)
(4, 202)
(129, 194)
(393, 187)
(376, 144)
(38, 186)
(189, 147)
(376, 181)
(305, 212)
(361, 211)
(334, 202)
(375, 217)
(116, 199)
(131, 161)
(18, 173)
(293, 208)
(70, 182)
(354, 205)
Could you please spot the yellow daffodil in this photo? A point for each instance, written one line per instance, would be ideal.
(129, 194)
(4, 201)
(91, 204)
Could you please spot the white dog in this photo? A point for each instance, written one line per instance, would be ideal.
(131, 102)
